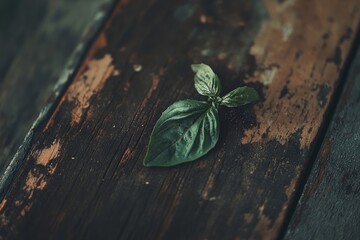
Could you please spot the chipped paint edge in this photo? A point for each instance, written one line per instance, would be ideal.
(65, 78)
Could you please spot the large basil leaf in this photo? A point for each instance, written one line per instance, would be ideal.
(240, 96)
(207, 82)
(185, 131)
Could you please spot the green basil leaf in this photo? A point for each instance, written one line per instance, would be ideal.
(185, 131)
(240, 96)
(207, 82)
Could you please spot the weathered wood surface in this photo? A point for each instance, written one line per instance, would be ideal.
(83, 176)
(330, 205)
(38, 40)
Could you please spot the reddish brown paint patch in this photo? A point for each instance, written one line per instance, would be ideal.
(51, 169)
(33, 182)
(278, 119)
(97, 72)
(292, 186)
(2, 204)
(323, 160)
(36, 179)
(100, 43)
(88, 84)
(91, 65)
(127, 155)
(25, 210)
(46, 155)
(262, 230)
(324, 156)
(4, 220)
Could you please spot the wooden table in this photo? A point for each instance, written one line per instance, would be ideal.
(287, 167)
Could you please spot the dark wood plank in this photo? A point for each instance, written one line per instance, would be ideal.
(38, 40)
(330, 205)
(83, 176)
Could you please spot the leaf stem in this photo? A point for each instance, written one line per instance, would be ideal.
(215, 101)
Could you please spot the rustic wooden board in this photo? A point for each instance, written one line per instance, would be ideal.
(330, 205)
(83, 176)
(38, 41)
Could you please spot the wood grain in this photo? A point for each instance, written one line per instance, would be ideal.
(83, 176)
(330, 205)
(41, 43)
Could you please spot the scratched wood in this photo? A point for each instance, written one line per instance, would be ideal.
(330, 205)
(83, 175)
(37, 39)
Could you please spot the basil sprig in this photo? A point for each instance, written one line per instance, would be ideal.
(189, 129)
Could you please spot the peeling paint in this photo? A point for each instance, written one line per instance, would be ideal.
(277, 77)
(88, 84)
(275, 44)
(36, 179)
(2, 204)
(92, 69)
(51, 169)
(126, 156)
(91, 29)
(33, 182)
(4, 221)
(44, 156)
(292, 186)
(25, 209)
(262, 230)
(265, 227)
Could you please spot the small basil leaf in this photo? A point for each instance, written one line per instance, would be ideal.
(207, 82)
(240, 96)
(185, 131)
